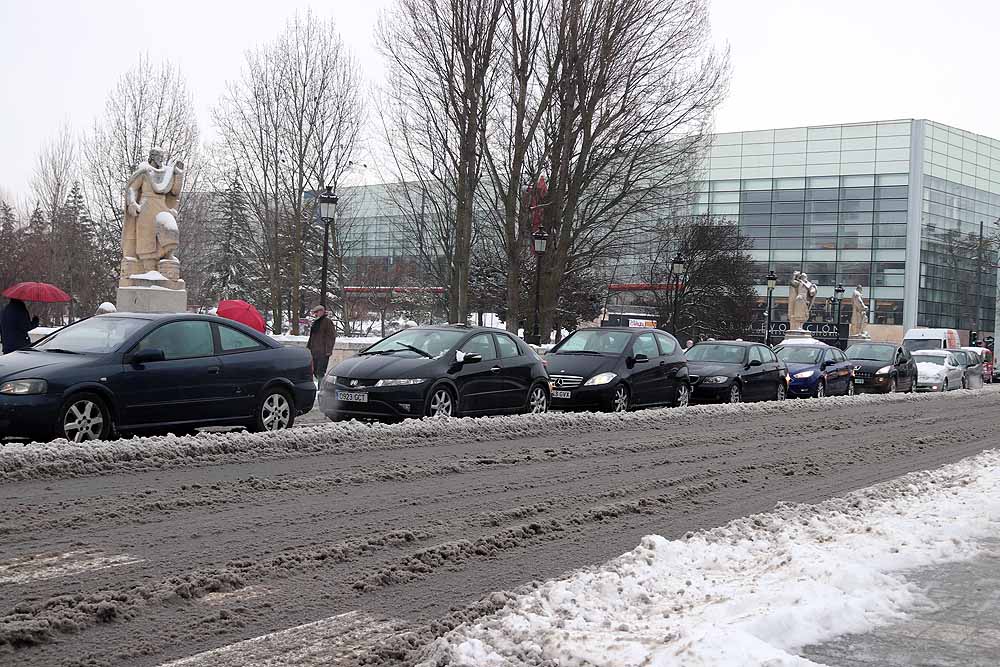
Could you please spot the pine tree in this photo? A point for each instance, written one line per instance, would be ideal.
(10, 247)
(235, 274)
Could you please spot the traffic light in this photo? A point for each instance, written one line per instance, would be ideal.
(973, 338)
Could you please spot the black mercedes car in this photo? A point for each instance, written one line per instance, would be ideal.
(736, 371)
(615, 369)
(126, 372)
(883, 368)
(437, 371)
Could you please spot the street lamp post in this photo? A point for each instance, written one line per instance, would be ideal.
(772, 281)
(539, 240)
(328, 211)
(677, 268)
(839, 291)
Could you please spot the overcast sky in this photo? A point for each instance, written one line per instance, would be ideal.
(795, 62)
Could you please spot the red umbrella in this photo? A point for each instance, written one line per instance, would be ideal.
(42, 292)
(242, 312)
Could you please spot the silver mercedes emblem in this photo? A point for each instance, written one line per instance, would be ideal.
(559, 382)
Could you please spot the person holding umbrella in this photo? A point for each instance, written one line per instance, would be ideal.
(15, 323)
(322, 338)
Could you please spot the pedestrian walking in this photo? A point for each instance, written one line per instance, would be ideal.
(322, 337)
(15, 323)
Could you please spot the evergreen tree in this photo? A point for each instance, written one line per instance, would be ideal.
(234, 273)
(10, 247)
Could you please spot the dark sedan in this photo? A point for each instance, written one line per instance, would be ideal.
(440, 371)
(882, 368)
(134, 372)
(817, 370)
(736, 371)
(615, 369)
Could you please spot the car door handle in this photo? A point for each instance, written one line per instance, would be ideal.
(495, 369)
(213, 370)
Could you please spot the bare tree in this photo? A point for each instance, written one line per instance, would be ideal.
(442, 82)
(290, 124)
(56, 170)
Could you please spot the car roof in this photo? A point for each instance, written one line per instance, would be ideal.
(735, 343)
(622, 329)
(933, 353)
(876, 342)
(468, 328)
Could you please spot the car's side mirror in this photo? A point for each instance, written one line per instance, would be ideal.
(755, 362)
(468, 357)
(826, 363)
(148, 356)
(640, 359)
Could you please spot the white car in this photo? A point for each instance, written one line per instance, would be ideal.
(938, 370)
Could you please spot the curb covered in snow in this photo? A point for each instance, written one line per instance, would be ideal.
(748, 593)
(60, 459)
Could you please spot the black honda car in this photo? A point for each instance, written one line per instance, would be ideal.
(437, 371)
(126, 372)
(882, 368)
(736, 371)
(614, 369)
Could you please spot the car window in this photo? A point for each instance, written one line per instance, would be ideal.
(767, 355)
(508, 348)
(717, 352)
(98, 335)
(602, 341)
(645, 344)
(755, 354)
(667, 343)
(181, 340)
(481, 344)
(840, 356)
(800, 354)
(231, 340)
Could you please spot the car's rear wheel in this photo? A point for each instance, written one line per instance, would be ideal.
(821, 389)
(84, 418)
(621, 400)
(683, 398)
(275, 411)
(441, 403)
(735, 394)
(538, 400)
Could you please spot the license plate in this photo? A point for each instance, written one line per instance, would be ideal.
(354, 396)
(859, 381)
(561, 394)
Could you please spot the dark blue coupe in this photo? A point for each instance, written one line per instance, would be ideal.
(817, 370)
(135, 372)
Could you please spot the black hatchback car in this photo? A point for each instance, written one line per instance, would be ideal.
(882, 368)
(614, 369)
(736, 371)
(437, 371)
(126, 372)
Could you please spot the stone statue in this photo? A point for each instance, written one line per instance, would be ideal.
(859, 314)
(150, 234)
(800, 300)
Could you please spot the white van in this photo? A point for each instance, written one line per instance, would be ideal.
(931, 339)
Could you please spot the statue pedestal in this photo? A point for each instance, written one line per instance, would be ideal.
(152, 292)
(796, 335)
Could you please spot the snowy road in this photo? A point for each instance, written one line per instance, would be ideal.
(348, 544)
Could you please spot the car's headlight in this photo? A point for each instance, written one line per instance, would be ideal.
(399, 382)
(884, 370)
(24, 387)
(600, 378)
(716, 379)
(804, 375)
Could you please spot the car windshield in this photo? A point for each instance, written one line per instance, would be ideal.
(723, 354)
(97, 335)
(594, 341)
(913, 344)
(428, 343)
(871, 352)
(961, 357)
(928, 359)
(799, 354)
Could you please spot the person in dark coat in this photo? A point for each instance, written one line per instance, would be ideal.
(322, 337)
(15, 323)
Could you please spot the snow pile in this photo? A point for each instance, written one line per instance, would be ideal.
(751, 592)
(802, 341)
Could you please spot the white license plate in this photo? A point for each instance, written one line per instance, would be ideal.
(354, 396)
(561, 394)
(859, 381)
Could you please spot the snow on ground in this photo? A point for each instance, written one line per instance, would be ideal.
(60, 459)
(751, 592)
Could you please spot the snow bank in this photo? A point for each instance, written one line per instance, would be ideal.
(60, 458)
(751, 592)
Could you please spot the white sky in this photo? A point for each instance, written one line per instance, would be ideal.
(795, 62)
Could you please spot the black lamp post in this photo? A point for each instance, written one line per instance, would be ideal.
(539, 240)
(677, 269)
(328, 211)
(839, 291)
(772, 281)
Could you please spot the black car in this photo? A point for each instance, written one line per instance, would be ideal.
(882, 368)
(437, 371)
(128, 372)
(614, 369)
(736, 371)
